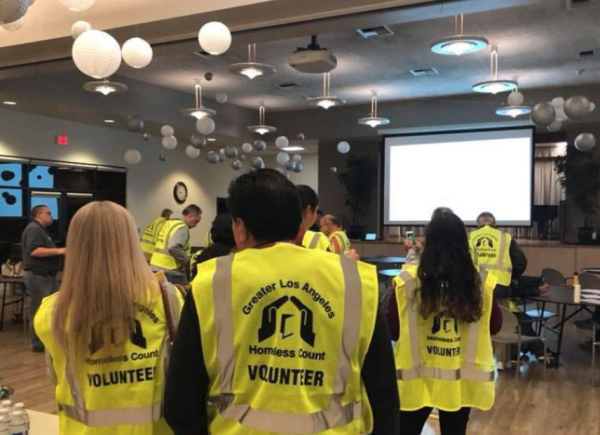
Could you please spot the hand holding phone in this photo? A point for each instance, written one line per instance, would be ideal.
(410, 236)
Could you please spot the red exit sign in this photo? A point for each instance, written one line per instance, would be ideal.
(62, 140)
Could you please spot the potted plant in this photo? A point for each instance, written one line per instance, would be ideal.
(578, 174)
(359, 180)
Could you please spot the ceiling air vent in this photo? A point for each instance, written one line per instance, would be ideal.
(421, 72)
(374, 32)
(588, 54)
(287, 86)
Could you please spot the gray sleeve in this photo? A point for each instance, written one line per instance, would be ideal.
(177, 242)
(412, 257)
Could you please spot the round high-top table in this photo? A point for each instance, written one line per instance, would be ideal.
(562, 296)
(384, 260)
(594, 270)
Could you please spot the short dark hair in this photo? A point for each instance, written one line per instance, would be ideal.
(166, 212)
(308, 197)
(221, 232)
(192, 208)
(267, 203)
(37, 210)
(486, 218)
(440, 211)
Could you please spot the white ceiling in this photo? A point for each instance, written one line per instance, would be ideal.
(538, 43)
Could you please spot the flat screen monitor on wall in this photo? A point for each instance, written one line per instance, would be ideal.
(469, 172)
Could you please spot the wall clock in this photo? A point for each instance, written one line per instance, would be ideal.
(180, 192)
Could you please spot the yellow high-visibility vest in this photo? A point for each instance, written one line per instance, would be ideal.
(492, 252)
(113, 390)
(441, 362)
(316, 240)
(342, 240)
(284, 333)
(161, 258)
(148, 239)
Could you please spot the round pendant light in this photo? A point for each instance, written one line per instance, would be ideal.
(515, 106)
(199, 111)
(459, 44)
(251, 69)
(105, 87)
(326, 100)
(262, 128)
(373, 120)
(494, 85)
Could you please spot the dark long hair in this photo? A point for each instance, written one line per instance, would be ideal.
(450, 284)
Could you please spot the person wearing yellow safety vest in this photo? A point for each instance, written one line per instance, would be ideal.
(330, 226)
(173, 247)
(278, 339)
(444, 320)
(498, 253)
(222, 243)
(148, 239)
(305, 237)
(106, 331)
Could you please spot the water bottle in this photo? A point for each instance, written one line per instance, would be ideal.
(3, 426)
(21, 407)
(576, 289)
(5, 414)
(17, 425)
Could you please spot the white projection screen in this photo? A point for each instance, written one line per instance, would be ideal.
(469, 172)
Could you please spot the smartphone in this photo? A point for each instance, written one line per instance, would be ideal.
(410, 235)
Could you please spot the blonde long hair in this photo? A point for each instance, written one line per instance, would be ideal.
(105, 276)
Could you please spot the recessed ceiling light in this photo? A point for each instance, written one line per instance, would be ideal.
(109, 121)
(10, 103)
(210, 139)
(293, 148)
(459, 44)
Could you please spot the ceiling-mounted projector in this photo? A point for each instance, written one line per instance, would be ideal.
(313, 59)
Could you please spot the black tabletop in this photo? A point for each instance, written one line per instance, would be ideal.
(384, 259)
(559, 295)
(390, 272)
(595, 270)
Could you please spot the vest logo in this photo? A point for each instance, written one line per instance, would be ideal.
(137, 338)
(485, 242)
(270, 313)
(447, 325)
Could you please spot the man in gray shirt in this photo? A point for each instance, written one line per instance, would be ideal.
(40, 264)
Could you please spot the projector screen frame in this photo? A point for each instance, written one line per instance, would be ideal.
(384, 171)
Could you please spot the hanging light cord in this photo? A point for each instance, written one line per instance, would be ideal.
(494, 62)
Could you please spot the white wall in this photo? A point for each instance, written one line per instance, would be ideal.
(150, 184)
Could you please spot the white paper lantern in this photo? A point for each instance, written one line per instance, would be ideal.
(333, 169)
(260, 145)
(282, 142)
(592, 107)
(515, 98)
(231, 152)
(247, 148)
(137, 53)
(299, 167)
(167, 130)
(135, 123)
(146, 136)
(133, 157)
(585, 142)
(577, 107)
(236, 165)
(80, 27)
(15, 25)
(169, 142)
(212, 157)
(198, 141)
(543, 114)
(205, 125)
(343, 147)
(214, 38)
(282, 157)
(300, 136)
(555, 126)
(297, 158)
(162, 157)
(221, 157)
(559, 107)
(77, 5)
(257, 163)
(97, 54)
(290, 165)
(12, 10)
(192, 152)
(221, 98)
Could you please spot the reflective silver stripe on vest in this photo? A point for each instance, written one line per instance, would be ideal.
(314, 241)
(500, 261)
(337, 415)
(110, 417)
(172, 230)
(468, 370)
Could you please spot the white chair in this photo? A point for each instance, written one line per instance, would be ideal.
(510, 333)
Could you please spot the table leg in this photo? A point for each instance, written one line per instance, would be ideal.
(3, 304)
(539, 328)
(560, 334)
